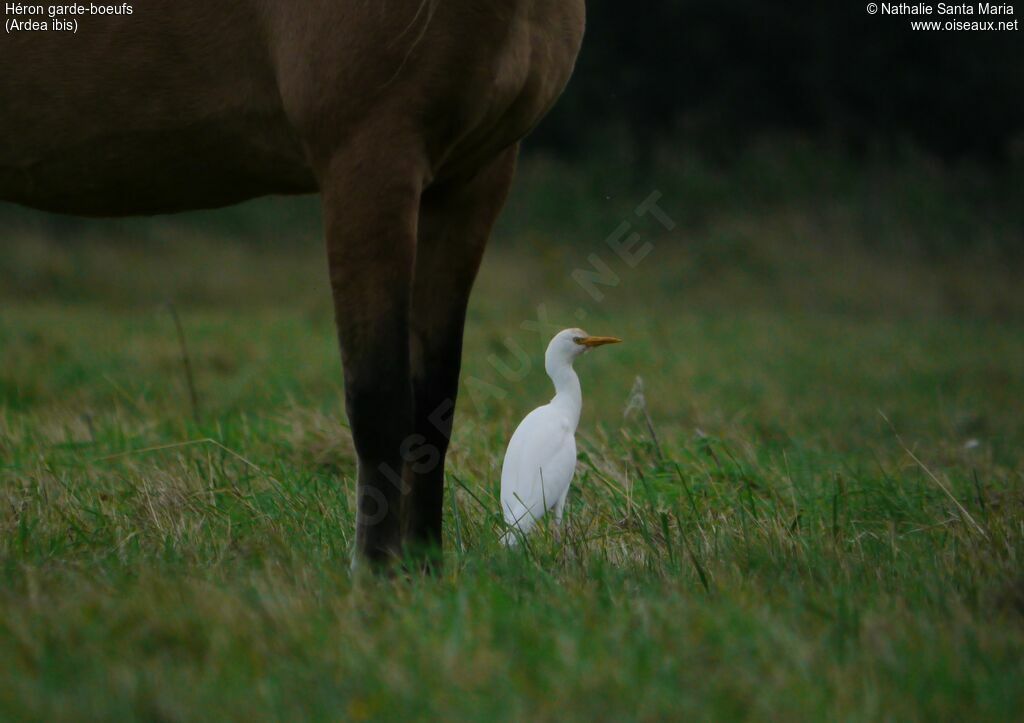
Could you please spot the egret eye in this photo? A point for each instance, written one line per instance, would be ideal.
(578, 339)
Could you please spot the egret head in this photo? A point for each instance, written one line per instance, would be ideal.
(569, 344)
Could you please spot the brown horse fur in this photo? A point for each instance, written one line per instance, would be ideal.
(404, 116)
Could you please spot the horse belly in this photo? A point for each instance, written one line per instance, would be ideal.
(172, 108)
(135, 171)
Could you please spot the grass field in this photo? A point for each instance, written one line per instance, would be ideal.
(822, 518)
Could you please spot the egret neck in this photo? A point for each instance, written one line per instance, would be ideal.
(568, 393)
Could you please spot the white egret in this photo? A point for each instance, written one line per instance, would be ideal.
(541, 457)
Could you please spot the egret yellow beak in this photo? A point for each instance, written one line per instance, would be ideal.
(596, 340)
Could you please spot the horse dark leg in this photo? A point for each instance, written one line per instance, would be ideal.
(455, 223)
(371, 203)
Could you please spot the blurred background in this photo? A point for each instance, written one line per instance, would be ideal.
(714, 74)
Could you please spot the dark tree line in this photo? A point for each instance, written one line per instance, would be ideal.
(721, 71)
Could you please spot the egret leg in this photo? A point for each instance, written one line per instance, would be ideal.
(371, 195)
(560, 507)
(456, 218)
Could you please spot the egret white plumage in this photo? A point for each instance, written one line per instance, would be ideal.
(541, 457)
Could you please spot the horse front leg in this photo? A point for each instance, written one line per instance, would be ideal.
(371, 203)
(456, 219)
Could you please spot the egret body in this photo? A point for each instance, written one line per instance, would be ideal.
(541, 457)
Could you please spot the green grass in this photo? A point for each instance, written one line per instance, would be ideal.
(826, 521)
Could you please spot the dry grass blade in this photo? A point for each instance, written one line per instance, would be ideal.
(963, 510)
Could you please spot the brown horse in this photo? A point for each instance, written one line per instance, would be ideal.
(404, 116)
